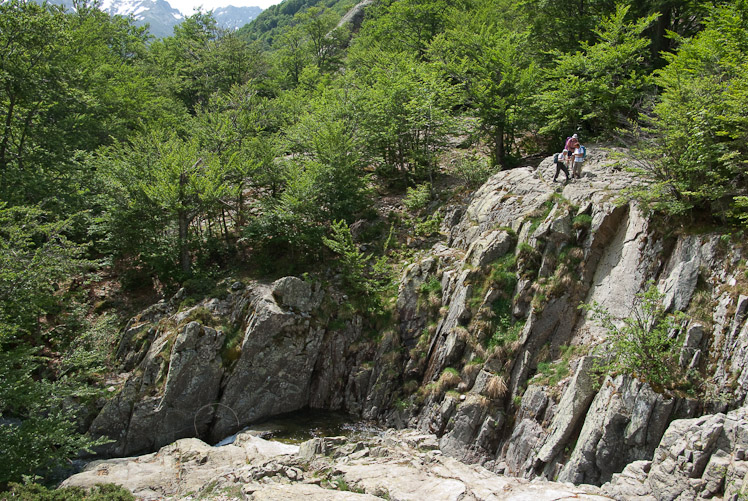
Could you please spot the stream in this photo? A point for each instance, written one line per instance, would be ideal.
(300, 426)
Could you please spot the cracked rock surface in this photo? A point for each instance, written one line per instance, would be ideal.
(395, 465)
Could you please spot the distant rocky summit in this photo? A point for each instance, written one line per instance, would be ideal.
(161, 17)
(520, 397)
(232, 18)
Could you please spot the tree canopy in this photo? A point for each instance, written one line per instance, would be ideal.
(166, 160)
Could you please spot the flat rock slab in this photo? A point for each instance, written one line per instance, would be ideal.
(433, 477)
(185, 466)
(399, 466)
(303, 492)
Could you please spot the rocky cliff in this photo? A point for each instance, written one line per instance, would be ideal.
(488, 348)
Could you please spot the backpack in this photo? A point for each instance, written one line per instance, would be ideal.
(555, 158)
(566, 143)
(584, 151)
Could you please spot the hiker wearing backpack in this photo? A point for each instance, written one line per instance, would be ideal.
(580, 152)
(560, 160)
(570, 145)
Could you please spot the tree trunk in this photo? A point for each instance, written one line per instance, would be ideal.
(184, 251)
(498, 147)
(184, 222)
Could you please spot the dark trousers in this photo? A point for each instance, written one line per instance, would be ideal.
(561, 167)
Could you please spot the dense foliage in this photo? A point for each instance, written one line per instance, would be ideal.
(167, 160)
(642, 344)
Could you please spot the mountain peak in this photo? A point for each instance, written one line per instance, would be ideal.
(162, 17)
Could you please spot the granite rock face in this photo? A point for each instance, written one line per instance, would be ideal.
(700, 458)
(191, 382)
(180, 384)
(487, 349)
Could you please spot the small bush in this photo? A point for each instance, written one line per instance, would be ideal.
(99, 492)
(450, 378)
(473, 170)
(410, 386)
(201, 314)
(429, 226)
(552, 373)
(496, 387)
(471, 370)
(417, 198)
(232, 349)
(431, 286)
(582, 221)
(506, 333)
(644, 347)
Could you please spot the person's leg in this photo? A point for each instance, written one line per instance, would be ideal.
(566, 172)
(558, 169)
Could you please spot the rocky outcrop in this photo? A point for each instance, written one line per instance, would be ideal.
(701, 458)
(624, 423)
(279, 350)
(192, 381)
(402, 465)
(487, 349)
(186, 466)
(172, 396)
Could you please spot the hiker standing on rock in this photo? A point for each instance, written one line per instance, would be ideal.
(560, 160)
(571, 144)
(578, 158)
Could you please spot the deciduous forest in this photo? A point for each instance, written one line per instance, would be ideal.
(145, 165)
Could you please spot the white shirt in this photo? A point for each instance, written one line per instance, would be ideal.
(578, 155)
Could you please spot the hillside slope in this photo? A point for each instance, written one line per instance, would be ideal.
(498, 362)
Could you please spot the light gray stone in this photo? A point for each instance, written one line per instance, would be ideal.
(292, 292)
(489, 248)
(572, 407)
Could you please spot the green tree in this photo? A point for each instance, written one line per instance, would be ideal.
(408, 25)
(293, 54)
(405, 116)
(172, 187)
(642, 344)
(200, 59)
(696, 142)
(38, 430)
(324, 40)
(69, 82)
(495, 78)
(364, 276)
(602, 86)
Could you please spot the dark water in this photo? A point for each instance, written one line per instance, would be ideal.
(298, 427)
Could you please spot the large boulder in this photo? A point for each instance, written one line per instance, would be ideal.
(186, 381)
(273, 374)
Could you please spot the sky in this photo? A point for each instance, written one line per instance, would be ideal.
(188, 6)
